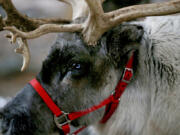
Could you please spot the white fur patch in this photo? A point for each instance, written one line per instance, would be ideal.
(3, 101)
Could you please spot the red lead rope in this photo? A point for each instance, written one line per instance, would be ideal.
(111, 102)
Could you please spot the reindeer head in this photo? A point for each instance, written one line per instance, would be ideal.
(75, 74)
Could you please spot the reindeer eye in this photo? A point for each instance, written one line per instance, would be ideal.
(76, 66)
(78, 69)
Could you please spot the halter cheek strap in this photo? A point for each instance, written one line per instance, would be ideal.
(121, 86)
(111, 102)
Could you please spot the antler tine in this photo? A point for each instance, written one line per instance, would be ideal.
(24, 50)
(95, 25)
(79, 8)
(95, 7)
(44, 29)
(137, 11)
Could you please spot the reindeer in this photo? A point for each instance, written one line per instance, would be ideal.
(82, 71)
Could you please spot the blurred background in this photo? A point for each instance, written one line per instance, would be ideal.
(11, 79)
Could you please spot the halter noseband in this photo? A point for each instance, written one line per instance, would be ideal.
(111, 102)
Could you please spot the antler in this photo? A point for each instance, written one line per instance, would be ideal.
(24, 23)
(99, 22)
(79, 8)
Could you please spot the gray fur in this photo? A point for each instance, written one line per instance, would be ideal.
(149, 106)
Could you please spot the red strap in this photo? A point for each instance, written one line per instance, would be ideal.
(66, 129)
(121, 86)
(112, 107)
(43, 94)
(75, 115)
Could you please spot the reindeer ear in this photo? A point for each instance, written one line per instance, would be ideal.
(122, 40)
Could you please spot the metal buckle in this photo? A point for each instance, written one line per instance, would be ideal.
(62, 118)
(125, 71)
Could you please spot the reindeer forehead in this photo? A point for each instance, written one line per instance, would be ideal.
(73, 44)
(69, 40)
(67, 47)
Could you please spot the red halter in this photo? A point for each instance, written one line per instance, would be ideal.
(111, 102)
